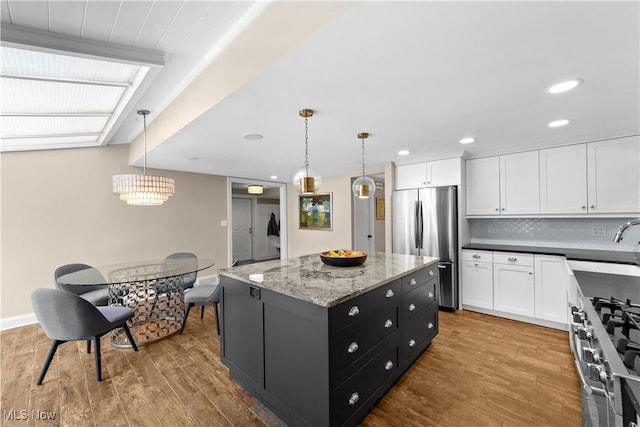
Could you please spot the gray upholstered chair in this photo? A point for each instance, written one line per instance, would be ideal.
(65, 316)
(189, 279)
(95, 294)
(202, 296)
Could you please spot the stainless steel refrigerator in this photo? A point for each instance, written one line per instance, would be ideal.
(425, 222)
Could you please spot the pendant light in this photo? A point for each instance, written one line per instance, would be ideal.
(136, 189)
(363, 187)
(255, 189)
(306, 180)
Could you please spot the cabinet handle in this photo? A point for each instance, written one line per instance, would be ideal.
(430, 325)
(584, 207)
(431, 273)
(530, 274)
(354, 399)
(353, 347)
(388, 366)
(497, 209)
(592, 206)
(502, 208)
(388, 323)
(476, 256)
(475, 263)
(512, 259)
(412, 343)
(354, 311)
(430, 294)
(412, 282)
(412, 307)
(389, 293)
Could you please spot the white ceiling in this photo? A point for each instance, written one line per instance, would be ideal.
(415, 75)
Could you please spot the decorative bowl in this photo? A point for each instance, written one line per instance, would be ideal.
(343, 258)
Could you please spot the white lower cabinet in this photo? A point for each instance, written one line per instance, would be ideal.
(513, 284)
(552, 284)
(477, 284)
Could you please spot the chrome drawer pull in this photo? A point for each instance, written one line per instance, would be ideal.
(412, 282)
(389, 293)
(476, 256)
(430, 325)
(354, 311)
(388, 323)
(388, 366)
(430, 294)
(412, 343)
(512, 259)
(354, 399)
(431, 273)
(412, 307)
(353, 347)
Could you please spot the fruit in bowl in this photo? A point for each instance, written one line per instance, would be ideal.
(343, 258)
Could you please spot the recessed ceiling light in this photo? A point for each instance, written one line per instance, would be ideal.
(252, 136)
(467, 140)
(274, 177)
(564, 86)
(404, 152)
(559, 123)
(193, 158)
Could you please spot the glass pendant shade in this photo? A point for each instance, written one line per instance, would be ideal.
(306, 180)
(363, 187)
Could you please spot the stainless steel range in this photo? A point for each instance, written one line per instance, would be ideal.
(605, 341)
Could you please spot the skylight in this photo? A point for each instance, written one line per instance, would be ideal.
(51, 100)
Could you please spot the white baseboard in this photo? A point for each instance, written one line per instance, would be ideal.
(17, 321)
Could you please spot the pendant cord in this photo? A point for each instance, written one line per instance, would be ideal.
(362, 157)
(306, 146)
(144, 119)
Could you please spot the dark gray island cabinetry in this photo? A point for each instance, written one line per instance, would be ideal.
(320, 345)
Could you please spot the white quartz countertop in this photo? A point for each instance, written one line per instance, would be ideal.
(307, 278)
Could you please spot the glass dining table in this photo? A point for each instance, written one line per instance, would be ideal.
(153, 289)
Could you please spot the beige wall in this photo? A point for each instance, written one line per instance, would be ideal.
(58, 208)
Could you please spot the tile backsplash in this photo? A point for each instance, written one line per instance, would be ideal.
(587, 233)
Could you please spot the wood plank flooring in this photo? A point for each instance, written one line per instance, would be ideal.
(480, 371)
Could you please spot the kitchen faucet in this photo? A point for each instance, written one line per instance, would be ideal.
(624, 228)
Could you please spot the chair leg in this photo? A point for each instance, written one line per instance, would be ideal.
(215, 308)
(131, 340)
(202, 312)
(184, 322)
(88, 346)
(52, 352)
(96, 340)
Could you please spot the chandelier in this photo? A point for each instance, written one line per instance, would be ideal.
(363, 187)
(306, 180)
(136, 189)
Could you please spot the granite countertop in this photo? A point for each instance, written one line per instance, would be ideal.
(597, 255)
(307, 278)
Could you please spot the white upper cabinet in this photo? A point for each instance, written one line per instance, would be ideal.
(519, 184)
(483, 186)
(563, 180)
(614, 176)
(444, 172)
(436, 173)
(411, 176)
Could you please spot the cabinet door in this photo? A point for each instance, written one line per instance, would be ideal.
(513, 289)
(563, 180)
(519, 184)
(551, 286)
(477, 284)
(443, 172)
(411, 176)
(614, 175)
(483, 186)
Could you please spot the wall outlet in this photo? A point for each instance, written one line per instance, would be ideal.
(492, 229)
(223, 223)
(599, 231)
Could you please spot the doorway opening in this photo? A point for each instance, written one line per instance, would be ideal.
(256, 222)
(368, 219)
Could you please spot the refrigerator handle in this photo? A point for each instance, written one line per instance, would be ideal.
(421, 225)
(416, 232)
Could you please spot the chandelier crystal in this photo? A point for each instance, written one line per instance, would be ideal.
(363, 187)
(306, 180)
(146, 190)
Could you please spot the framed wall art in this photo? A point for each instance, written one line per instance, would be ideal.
(314, 211)
(379, 208)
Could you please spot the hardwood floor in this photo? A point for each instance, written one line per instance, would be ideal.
(480, 371)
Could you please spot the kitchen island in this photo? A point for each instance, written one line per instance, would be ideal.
(320, 345)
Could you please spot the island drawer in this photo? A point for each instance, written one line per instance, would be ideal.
(350, 344)
(419, 332)
(418, 299)
(356, 391)
(364, 307)
(419, 278)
